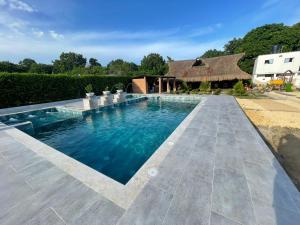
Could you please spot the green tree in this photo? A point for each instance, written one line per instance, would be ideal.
(121, 67)
(169, 59)
(212, 53)
(260, 41)
(27, 63)
(67, 62)
(41, 68)
(94, 62)
(233, 46)
(154, 64)
(239, 89)
(9, 67)
(97, 70)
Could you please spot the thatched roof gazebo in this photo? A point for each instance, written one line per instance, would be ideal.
(208, 69)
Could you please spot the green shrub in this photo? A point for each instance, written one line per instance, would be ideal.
(184, 88)
(22, 89)
(195, 91)
(288, 87)
(205, 87)
(88, 88)
(119, 86)
(239, 89)
(217, 91)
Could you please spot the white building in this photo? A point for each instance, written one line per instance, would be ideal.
(272, 66)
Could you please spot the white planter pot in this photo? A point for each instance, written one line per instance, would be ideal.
(119, 91)
(106, 92)
(90, 94)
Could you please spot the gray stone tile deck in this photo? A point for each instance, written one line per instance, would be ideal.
(218, 172)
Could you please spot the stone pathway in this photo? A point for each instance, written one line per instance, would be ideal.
(218, 172)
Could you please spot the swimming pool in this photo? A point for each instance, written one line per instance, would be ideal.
(116, 141)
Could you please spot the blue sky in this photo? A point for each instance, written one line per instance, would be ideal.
(106, 30)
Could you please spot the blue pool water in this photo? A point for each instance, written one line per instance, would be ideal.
(117, 141)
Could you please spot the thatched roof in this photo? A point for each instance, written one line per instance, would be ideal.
(208, 69)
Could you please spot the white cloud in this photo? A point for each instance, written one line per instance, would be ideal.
(122, 35)
(17, 5)
(56, 35)
(269, 3)
(205, 30)
(38, 33)
(46, 50)
(12, 23)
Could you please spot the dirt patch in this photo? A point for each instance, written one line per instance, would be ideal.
(278, 120)
(285, 143)
(274, 105)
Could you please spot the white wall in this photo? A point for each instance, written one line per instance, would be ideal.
(277, 67)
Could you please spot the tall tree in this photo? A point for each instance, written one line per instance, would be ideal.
(27, 63)
(94, 62)
(233, 46)
(9, 67)
(121, 67)
(68, 61)
(212, 53)
(154, 64)
(260, 41)
(41, 68)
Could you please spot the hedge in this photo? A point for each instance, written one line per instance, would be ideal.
(22, 89)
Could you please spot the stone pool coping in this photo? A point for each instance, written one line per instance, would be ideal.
(121, 195)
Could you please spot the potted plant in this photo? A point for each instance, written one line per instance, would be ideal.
(89, 91)
(106, 91)
(119, 87)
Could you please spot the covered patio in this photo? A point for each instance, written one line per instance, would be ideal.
(154, 84)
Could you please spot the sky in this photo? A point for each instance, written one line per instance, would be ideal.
(111, 29)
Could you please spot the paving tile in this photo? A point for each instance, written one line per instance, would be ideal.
(228, 158)
(45, 217)
(12, 150)
(254, 153)
(12, 189)
(75, 202)
(209, 129)
(231, 197)
(217, 219)
(169, 172)
(268, 215)
(35, 169)
(225, 127)
(20, 157)
(205, 143)
(5, 141)
(46, 178)
(201, 164)
(191, 202)
(268, 185)
(102, 212)
(225, 139)
(31, 205)
(149, 208)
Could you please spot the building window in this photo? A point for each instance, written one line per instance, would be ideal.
(265, 75)
(269, 75)
(269, 61)
(288, 60)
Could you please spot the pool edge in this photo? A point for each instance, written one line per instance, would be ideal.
(122, 195)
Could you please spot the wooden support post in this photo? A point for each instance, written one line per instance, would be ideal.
(174, 85)
(159, 85)
(168, 85)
